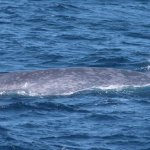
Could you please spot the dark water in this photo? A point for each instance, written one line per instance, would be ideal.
(41, 34)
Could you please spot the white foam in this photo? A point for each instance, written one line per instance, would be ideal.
(147, 68)
(120, 87)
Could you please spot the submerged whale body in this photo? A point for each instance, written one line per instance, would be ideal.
(63, 81)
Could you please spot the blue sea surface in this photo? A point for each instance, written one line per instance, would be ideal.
(42, 34)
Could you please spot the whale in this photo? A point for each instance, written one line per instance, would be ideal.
(61, 81)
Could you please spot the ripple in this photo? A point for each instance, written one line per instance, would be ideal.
(139, 35)
(102, 117)
(58, 107)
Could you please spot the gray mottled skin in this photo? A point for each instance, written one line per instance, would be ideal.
(70, 80)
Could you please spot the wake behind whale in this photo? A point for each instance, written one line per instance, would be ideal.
(64, 81)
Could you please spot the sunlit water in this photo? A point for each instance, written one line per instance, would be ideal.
(37, 35)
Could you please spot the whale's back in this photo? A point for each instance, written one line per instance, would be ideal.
(70, 80)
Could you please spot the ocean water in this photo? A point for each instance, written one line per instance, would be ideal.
(42, 34)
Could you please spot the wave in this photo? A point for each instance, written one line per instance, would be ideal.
(99, 89)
